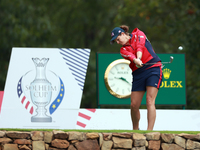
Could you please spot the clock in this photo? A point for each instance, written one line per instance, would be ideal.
(118, 78)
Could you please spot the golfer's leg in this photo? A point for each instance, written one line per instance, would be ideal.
(151, 109)
(136, 99)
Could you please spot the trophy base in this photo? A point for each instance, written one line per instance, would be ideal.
(41, 119)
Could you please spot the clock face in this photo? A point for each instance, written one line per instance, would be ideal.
(118, 78)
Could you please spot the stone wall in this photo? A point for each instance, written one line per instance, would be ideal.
(60, 140)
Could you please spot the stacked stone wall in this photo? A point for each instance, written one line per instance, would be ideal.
(73, 140)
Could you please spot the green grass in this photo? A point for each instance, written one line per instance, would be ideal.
(106, 131)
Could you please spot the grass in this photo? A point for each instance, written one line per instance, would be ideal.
(105, 131)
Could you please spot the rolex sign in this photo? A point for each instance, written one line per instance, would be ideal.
(173, 87)
(172, 90)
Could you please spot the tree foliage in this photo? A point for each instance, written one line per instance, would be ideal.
(88, 24)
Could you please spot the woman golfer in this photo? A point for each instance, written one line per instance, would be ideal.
(146, 78)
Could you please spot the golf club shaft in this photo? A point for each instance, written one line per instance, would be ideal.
(157, 63)
(171, 59)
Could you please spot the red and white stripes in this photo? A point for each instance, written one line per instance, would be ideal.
(26, 103)
(84, 116)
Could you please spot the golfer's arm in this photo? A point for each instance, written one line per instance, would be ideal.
(139, 54)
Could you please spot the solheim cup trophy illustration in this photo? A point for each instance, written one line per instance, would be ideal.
(40, 91)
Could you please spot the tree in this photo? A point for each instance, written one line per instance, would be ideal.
(23, 24)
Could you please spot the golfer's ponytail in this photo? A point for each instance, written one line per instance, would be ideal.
(125, 28)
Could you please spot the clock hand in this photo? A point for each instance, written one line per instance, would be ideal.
(123, 79)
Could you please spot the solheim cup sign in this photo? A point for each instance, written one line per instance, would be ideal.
(44, 88)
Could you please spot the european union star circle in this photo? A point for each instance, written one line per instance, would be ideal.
(58, 99)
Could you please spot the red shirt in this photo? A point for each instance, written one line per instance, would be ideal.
(139, 42)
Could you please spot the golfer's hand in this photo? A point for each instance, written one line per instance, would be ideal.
(138, 63)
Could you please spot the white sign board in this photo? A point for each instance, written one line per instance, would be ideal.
(120, 119)
(44, 88)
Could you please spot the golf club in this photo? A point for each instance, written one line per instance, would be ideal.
(171, 60)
